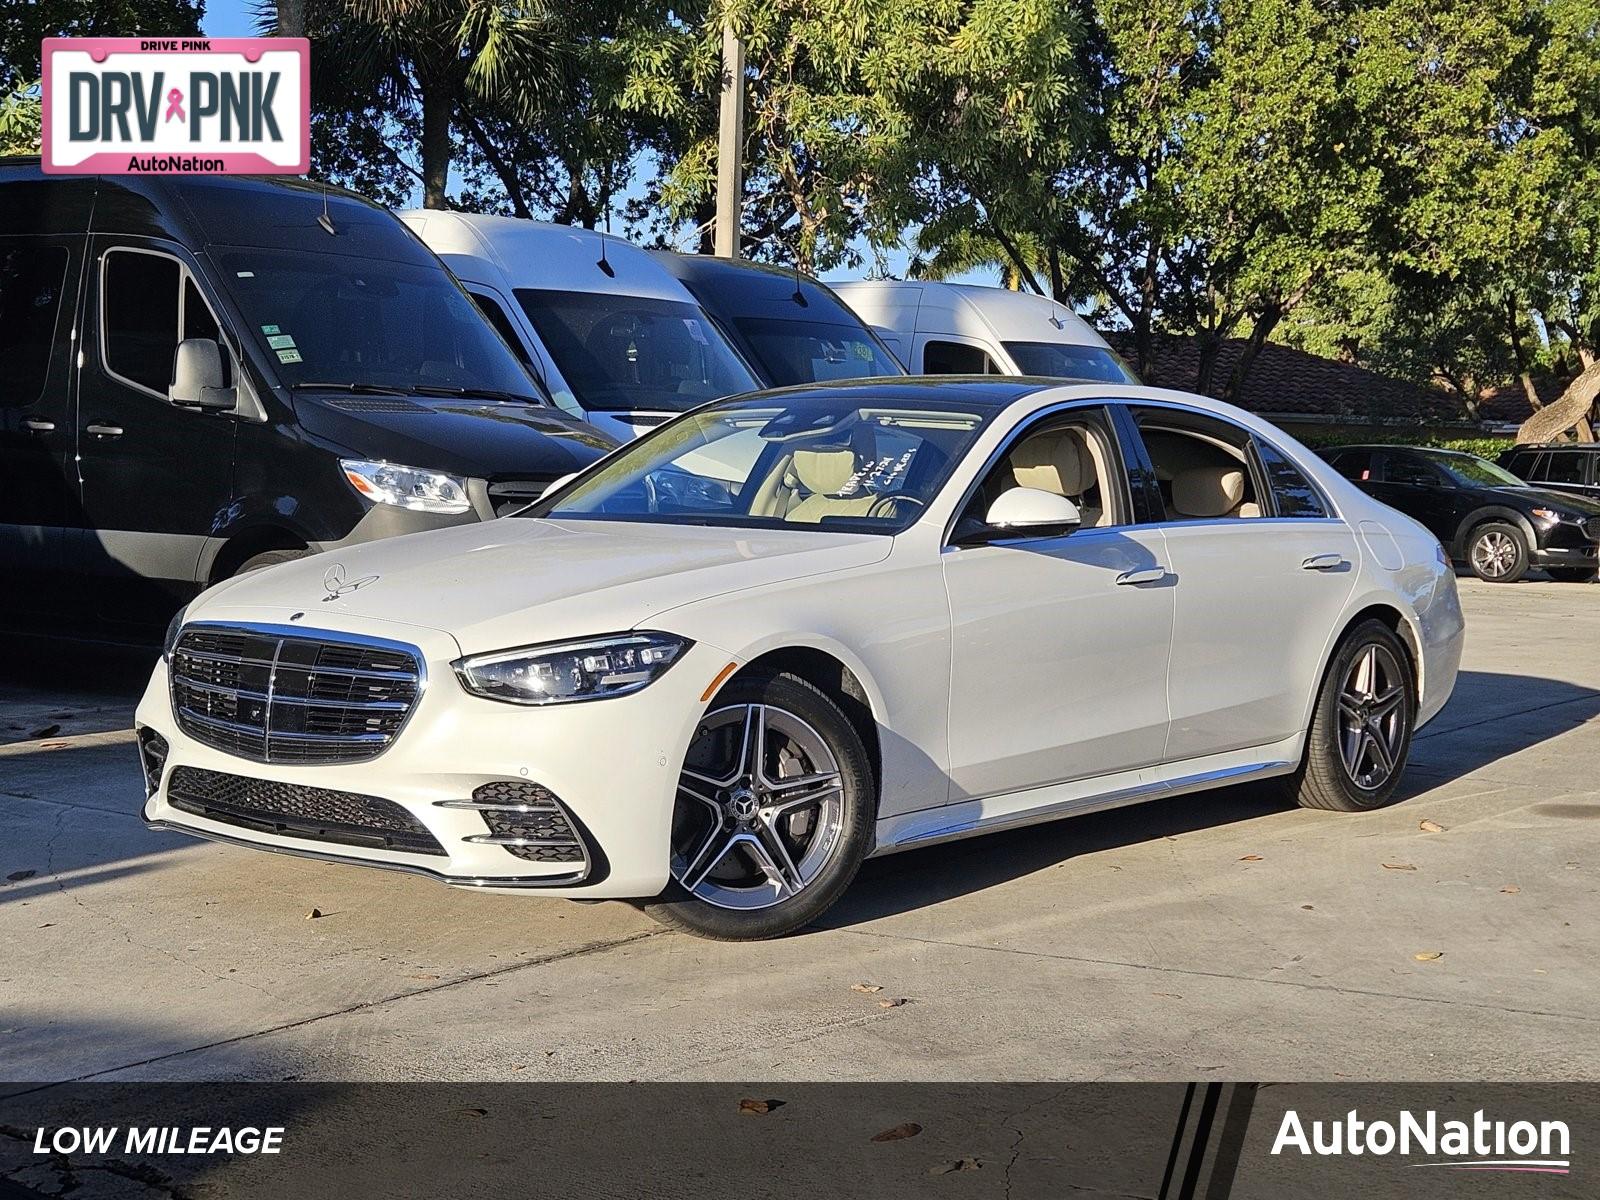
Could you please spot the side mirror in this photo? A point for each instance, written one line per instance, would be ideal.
(1027, 512)
(197, 377)
(558, 484)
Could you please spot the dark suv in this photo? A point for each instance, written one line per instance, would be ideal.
(1565, 466)
(1482, 514)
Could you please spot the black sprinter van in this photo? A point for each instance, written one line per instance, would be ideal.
(203, 375)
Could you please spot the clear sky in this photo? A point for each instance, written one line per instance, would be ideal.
(236, 18)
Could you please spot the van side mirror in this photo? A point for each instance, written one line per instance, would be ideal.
(197, 377)
(1025, 512)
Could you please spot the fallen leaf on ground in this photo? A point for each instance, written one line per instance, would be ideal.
(895, 1003)
(1428, 826)
(47, 731)
(1399, 867)
(474, 1112)
(909, 1129)
(1251, 858)
(1428, 955)
(313, 914)
(758, 1107)
(866, 988)
(1309, 907)
(19, 876)
(960, 1164)
(1510, 889)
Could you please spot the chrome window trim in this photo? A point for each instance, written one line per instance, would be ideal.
(312, 633)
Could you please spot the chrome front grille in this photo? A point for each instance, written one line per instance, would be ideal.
(292, 696)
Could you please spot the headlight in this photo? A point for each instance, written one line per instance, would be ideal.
(407, 487)
(1551, 514)
(587, 670)
(170, 642)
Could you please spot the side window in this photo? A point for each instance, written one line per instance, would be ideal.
(31, 282)
(1397, 468)
(490, 307)
(1564, 466)
(1292, 493)
(1072, 455)
(1202, 465)
(139, 312)
(1521, 463)
(952, 358)
(1353, 464)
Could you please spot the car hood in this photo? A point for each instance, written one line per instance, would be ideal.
(482, 439)
(518, 580)
(1550, 498)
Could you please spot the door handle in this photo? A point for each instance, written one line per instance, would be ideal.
(1323, 562)
(1143, 575)
(100, 430)
(34, 425)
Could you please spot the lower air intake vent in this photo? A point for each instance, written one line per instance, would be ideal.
(292, 810)
(526, 820)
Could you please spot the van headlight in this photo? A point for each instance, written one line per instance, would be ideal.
(565, 671)
(407, 487)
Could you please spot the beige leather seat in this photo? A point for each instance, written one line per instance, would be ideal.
(820, 475)
(1060, 461)
(1202, 492)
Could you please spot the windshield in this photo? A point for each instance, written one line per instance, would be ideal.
(1061, 361)
(628, 353)
(800, 351)
(1470, 469)
(851, 462)
(369, 323)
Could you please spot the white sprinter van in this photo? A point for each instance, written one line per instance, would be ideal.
(616, 339)
(967, 329)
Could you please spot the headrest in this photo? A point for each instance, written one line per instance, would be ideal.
(1056, 462)
(823, 472)
(1207, 491)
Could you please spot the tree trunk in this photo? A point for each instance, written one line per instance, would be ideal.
(1144, 349)
(1265, 323)
(1210, 343)
(291, 18)
(1514, 329)
(437, 104)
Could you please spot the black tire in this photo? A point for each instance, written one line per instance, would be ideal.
(269, 558)
(1497, 552)
(789, 696)
(1325, 779)
(1571, 574)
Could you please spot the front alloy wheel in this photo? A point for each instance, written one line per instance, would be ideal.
(1498, 552)
(773, 814)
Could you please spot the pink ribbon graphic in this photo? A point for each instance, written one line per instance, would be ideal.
(174, 106)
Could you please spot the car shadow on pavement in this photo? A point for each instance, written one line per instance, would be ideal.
(1490, 717)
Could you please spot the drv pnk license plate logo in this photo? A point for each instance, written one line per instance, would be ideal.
(165, 106)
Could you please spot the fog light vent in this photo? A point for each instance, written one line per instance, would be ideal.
(526, 820)
(153, 758)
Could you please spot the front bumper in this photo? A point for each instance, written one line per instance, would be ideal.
(612, 763)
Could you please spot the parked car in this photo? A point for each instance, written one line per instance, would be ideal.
(1560, 466)
(965, 329)
(789, 327)
(205, 375)
(1485, 516)
(923, 610)
(618, 341)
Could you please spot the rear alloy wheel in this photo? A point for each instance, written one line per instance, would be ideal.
(773, 816)
(1498, 552)
(1361, 730)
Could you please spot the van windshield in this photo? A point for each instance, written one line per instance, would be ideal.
(622, 353)
(369, 323)
(1061, 360)
(801, 351)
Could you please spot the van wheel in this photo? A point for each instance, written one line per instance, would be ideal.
(269, 558)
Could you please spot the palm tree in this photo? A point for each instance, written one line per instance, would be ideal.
(437, 55)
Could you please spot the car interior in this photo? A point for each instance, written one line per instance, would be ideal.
(1202, 475)
(1070, 459)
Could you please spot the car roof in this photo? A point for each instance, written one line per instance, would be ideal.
(990, 391)
(513, 252)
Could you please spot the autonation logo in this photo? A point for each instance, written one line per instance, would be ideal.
(1477, 1145)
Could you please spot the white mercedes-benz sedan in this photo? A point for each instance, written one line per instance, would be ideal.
(794, 629)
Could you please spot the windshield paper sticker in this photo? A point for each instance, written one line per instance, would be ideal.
(289, 356)
(280, 341)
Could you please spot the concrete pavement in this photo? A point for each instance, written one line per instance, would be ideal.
(1216, 936)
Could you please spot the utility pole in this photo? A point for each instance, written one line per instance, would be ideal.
(730, 145)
